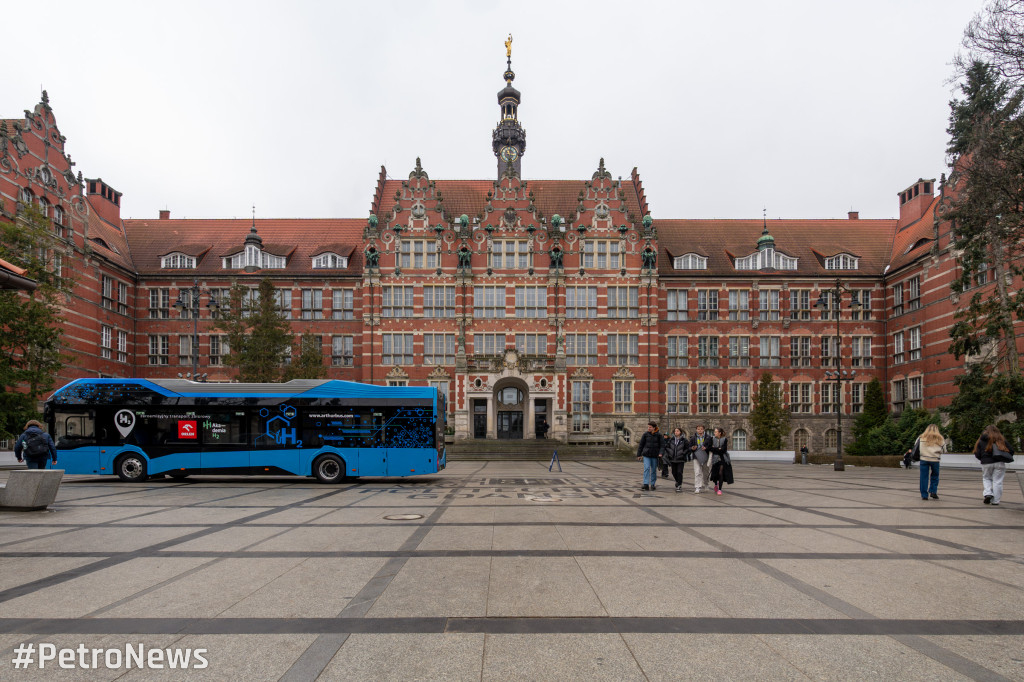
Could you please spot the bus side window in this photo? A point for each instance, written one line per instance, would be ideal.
(75, 430)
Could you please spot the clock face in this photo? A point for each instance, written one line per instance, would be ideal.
(509, 154)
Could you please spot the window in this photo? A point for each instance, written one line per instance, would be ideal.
(675, 304)
(830, 305)
(829, 351)
(177, 261)
(981, 276)
(768, 259)
(707, 304)
(185, 349)
(708, 400)
(738, 440)
(580, 302)
(624, 302)
(438, 301)
(44, 207)
(800, 304)
(739, 398)
(830, 397)
(707, 351)
(739, 304)
(159, 352)
(439, 349)
(418, 253)
(800, 439)
(801, 397)
(396, 349)
(897, 299)
(341, 351)
(861, 351)
(330, 261)
(532, 344)
(106, 341)
(218, 349)
(830, 439)
(398, 301)
(531, 302)
(511, 255)
(739, 351)
(187, 311)
(604, 255)
(857, 397)
(58, 216)
(442, 389)
(623, 349)
(678, 350)
(769, 304)
(677, 396)
(842, 261)
(861, 298)
(771, 353)
(916, 386)
(253, 257)
(283, 300)
(312, 304)
(122, 298)
(897, 348)
(107, 300)
(488, 344)
(122, 345)
(799, 351)
(160, 303)
(915, 343)
(581, 406)
(623, 396)
(341, 304)
(397, 382)
(489, 302)
(913, 293)
(581, 349)
(899, 395)
(690, 261)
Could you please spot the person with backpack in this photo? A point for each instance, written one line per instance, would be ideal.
(34, 446)
(994, 454)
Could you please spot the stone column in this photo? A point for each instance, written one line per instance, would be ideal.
(528, 414)
(492, 417)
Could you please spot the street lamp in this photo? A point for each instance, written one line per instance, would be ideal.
(191, 302)
(838, 375)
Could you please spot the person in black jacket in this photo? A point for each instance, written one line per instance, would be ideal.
(721, 463)
(35, 446)
(649, 450)
(677, 452)
(699, 444)
(993, 452)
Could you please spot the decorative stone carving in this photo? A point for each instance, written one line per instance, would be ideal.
(372, 257)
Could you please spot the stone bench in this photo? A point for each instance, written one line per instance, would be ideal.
(955, 460)
(784, 456)
(29, 489)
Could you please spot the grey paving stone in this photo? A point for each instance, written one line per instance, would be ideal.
(1002, 655)
(559, 657)
(436, 587)
(409, 657)
(522, 586)
(21, 570)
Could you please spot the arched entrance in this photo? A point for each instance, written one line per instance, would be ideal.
(511, 398)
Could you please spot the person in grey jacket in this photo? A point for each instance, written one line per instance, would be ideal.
(676, 454)
(699, 444)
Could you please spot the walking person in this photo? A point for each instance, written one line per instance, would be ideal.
(930, 446)
(35, 446)
(699, 443)
(677, 452)
(649, 450)
(721, 463)
(994, 454)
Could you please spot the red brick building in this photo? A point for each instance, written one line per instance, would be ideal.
(561, 300)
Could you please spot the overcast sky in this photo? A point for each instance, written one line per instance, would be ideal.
(808, 108)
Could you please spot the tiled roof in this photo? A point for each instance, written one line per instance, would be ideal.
(109, 241)
(809, 240)
(301, 239)
(914, 240)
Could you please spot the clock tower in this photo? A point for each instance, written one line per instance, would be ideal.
(509, 139)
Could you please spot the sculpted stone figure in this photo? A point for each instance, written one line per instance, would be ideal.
(556, 258)
(372, 257)
(649, 258)
(465, 257)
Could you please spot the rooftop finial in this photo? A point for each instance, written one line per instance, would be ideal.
(254, 217)
(764, 220)
(508, 47)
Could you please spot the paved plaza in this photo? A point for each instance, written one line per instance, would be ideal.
(504, 570)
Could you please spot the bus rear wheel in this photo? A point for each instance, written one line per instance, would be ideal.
(329, 469)
(131, 468)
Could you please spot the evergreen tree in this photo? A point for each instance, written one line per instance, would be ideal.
(257, 332)
(896, 435)
(308, 363)
(769, 418)
(31, 342)
(874, 413)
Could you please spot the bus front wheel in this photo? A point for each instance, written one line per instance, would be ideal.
(131, 468)
(329, 469)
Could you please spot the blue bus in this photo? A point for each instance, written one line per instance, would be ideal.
(333, 430)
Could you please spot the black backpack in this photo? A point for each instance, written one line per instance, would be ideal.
(36, 445)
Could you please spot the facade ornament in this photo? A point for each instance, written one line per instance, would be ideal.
(372, 257)
(556, 258)
(465, 258)
(650, 258)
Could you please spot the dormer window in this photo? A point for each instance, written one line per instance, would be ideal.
(690, 261)
(767, 259)
(253, 257)
(177, 261)
(330, 261)
(842, 261)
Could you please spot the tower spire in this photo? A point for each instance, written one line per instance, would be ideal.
(508, 141)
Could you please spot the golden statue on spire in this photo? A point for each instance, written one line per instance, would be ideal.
(508, 46)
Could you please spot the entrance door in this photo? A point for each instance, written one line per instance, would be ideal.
(479, 419)
(510, 425)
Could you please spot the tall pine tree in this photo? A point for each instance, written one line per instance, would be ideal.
(769, 418)
(258, 334)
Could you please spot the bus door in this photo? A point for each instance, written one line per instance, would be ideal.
(75, 438)
(225, 442)
(373, 459)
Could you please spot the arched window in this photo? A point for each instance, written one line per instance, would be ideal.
(27, 197)
(830, 439)
(58, 215)
(252, 256)
(44, 207)
(739, 440)
(800, 439)
(690, 261)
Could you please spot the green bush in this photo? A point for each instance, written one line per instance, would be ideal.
(895, 436)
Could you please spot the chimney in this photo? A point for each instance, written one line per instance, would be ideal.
(853, 215)
(104, 200)
(165, 214)
(915, 200)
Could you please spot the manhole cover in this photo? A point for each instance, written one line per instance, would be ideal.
(403, 517)
(538, 498)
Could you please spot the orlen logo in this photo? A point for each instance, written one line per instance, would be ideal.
(186, 429)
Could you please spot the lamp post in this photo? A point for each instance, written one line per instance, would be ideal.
(838, 375)
(191, 303)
